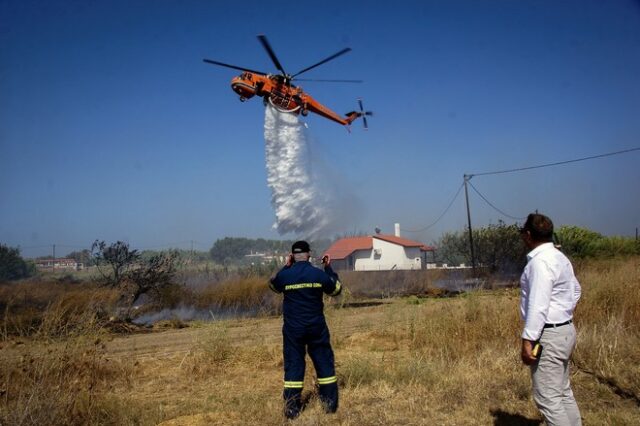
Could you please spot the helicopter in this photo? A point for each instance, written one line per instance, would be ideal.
(278, 90)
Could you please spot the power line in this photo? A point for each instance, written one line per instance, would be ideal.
(439, 217)
(557, 163)
(494, 207)
(467, 179)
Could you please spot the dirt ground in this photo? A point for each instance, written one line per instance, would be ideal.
(243, 332)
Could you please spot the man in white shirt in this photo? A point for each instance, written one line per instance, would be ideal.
(549, 294)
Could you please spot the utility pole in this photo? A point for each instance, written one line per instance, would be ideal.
(53, 264)
(466, 197)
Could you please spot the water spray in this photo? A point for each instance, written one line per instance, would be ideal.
(301, 206)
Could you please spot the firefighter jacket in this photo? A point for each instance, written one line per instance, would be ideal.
(303, 286)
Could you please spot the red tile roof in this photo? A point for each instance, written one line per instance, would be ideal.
(403, 242)
(345, 246)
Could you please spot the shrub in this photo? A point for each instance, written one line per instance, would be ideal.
(582, 243)
(576, 241)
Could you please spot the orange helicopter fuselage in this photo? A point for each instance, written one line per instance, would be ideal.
(284, 96)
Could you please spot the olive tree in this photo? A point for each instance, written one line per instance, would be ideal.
(497, 248)
(132, 274)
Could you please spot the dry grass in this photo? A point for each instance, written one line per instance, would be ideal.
(242, 294)
(415, 361)
(60, 383)
(609, 322)
(52, 309)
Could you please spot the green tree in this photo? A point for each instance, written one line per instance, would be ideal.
(453, 248)
(82, 256)
(498, 248)
(229, 249)
(581, 243)
(576, 241)
(12, 265)
(233, 250)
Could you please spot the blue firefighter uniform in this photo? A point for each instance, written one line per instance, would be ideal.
(305, 328)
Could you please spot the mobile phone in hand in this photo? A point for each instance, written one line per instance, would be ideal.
(536, 351)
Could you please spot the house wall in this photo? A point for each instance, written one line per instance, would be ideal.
(386, 256)
(58, 264)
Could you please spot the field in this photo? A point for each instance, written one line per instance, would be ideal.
(400, 361)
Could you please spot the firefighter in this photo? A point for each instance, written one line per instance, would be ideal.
(305, 328)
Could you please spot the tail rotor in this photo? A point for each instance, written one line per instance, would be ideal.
(362, 113)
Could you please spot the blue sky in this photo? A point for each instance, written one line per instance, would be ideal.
(112, 127)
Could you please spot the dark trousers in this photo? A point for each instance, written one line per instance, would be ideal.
(315, 341)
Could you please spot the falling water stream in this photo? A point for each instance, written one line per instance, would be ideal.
(302, 205)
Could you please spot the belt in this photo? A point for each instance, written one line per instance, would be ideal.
(558, 325)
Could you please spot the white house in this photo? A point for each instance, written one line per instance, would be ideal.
(59, 263)
(378, 253)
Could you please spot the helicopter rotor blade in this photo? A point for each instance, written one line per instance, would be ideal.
(335, 55)
(364, 114)
(329, 81)
(222, 64)
(272, 55)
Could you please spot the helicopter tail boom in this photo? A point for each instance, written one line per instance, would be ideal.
(352, 116)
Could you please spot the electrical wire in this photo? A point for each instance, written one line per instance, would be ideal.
(494, 207)
(557, 163)
(441, 215)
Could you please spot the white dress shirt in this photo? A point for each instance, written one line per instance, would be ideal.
(549, 290)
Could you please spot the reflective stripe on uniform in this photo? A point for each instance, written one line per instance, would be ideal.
(302, 285)
(294, 385)
(338, 288)
(327, 380)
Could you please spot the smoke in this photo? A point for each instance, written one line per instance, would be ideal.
(190, 313)
(307, 198)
